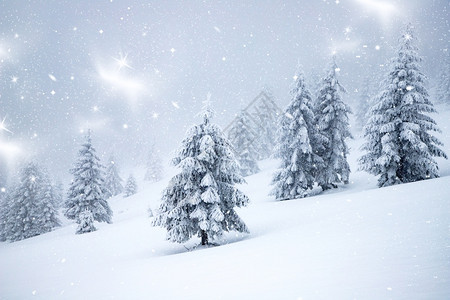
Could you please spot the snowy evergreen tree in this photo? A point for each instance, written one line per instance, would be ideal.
(131, 186)
(113, 182)
(267, 118)
(3, 172)
(150, 212)
(59, 193)
(154, 166)
(200, 200)
(86, 191)
(49, 204)
(85, 222)
(3, 210)
(443, 82)
(399, 146)
(244, 141)
(331, 115)
(296, 137)
(29, 209)
(363, 105)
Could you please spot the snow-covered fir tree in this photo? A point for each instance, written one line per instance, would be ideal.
(59, 192)
(29, 209)
(3, 209)
(49, 204)
(295, 148)
(113, 182)
(131, 186)
(85, 222)
(154, 166)
(443, 82)
(331, 115)
(244, 140)
(3, 172)
(267, 114)
(86, 191)
(200, 200)
(399, 147)
(363, 105)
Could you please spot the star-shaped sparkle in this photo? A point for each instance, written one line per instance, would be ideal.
(3, 127)
(122, 61)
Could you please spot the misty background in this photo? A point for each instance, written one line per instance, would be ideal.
(137, 73)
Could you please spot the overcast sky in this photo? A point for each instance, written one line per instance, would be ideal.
(136, 72)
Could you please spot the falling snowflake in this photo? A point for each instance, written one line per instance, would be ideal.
(52, 77)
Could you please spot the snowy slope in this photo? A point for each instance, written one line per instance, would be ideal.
(355, 242)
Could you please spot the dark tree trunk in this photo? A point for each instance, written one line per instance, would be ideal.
(204, 238)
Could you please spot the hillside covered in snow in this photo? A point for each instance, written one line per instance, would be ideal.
(354, 242)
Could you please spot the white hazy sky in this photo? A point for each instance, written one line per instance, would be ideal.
(136, 72)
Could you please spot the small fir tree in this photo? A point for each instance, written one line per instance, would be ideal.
(296, 137)
(200, 200)
(154, 166)
(113, 182)
(131, 186)
(49, 204)
(85, 222)
(363, 105)
(86, 191)
(267, 118)
(331, 115)
(399, 147)
(3, 210)
(443, 82)
(3, 172)
(59, 193)
(244, 140)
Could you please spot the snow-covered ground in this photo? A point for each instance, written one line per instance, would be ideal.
(355, 242)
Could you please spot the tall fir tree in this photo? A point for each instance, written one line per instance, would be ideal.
(131, 186)
(244, 140)
(331, 115)
(154, 166)
(200, 200)
(86, 191)
(29, 209)
(399, 146)
(296, 145)
(113, 182)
